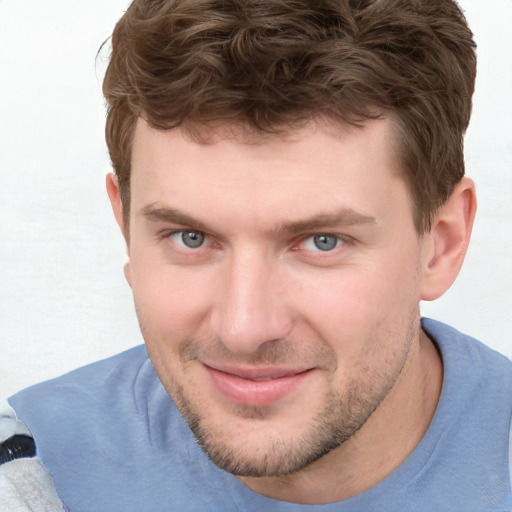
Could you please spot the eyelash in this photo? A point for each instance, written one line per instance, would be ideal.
(169, 235)
(341, 240)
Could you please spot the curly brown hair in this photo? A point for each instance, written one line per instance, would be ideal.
(269, 64)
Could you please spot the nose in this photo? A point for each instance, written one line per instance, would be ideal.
(251, 304)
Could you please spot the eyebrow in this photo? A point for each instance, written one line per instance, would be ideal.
(341, 218)
(153, 212)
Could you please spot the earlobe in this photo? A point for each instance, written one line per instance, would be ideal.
(445, 246)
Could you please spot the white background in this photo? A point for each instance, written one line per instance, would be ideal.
(63, 300)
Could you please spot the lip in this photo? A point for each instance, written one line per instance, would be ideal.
(255, 387)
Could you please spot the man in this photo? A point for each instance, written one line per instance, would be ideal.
(290, 183)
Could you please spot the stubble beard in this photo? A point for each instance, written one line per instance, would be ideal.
(343, 414)
(329, 429)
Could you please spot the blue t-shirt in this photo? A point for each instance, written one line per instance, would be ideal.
(113, 440)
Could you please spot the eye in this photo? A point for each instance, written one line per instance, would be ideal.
(188, 239)
(322, 243)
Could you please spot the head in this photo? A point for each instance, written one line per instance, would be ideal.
(287, 178)
(268, 65)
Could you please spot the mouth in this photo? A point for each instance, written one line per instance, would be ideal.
(255, 387)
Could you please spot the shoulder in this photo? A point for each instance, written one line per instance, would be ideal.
(455, 345)
(110, 430)
(477, 379)
(75, 400)
(92, 377)
(480, 379)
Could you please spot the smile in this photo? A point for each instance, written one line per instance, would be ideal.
(255, 387)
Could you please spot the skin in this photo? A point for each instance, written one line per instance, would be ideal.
(257, 295)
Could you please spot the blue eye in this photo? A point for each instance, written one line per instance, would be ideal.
(322, 243)
(188, 239)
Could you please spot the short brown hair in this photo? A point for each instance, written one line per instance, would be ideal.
(273, 63)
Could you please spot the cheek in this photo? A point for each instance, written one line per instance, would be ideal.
(171, 303)
(355, 305)
(344, 294)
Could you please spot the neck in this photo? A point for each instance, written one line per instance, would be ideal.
(379, 447)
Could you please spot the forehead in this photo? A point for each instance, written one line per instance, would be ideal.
(318, 166)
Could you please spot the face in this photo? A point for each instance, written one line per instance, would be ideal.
(276, 282)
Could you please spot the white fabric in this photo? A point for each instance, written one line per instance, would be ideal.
(25, 486)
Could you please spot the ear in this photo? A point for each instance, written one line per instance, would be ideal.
(115, 199)
(117, 207)
(446, 244)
